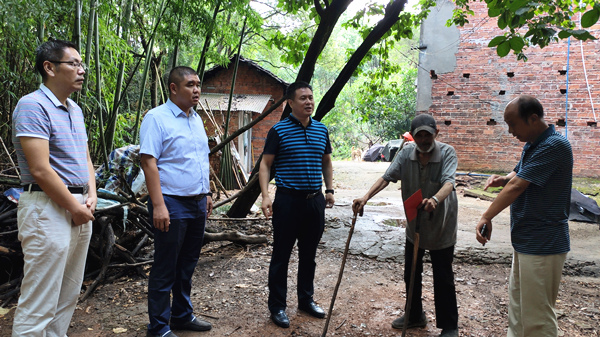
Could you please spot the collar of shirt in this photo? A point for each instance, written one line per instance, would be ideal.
(540, 138)
(177, 111)
(55, 100)
(436, 155)
(297, 122)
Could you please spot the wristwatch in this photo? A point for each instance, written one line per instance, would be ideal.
(437, 202)
(329, 191)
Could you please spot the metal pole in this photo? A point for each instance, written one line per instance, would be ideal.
(337, 286)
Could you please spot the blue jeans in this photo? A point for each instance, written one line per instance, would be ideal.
(176, 254)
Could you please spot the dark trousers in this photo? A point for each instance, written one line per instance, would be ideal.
(294, 218)
(446, 310)
(176, 254)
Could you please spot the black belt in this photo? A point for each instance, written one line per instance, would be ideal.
(192, 197)
(73, 189)
(299, 193)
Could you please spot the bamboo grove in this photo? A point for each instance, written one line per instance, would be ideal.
(128, 46)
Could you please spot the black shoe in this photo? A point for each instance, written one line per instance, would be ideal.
(280, 319)
(194, 325)
(449, 333)
(166, 334)
(312, 309)
(398, 323)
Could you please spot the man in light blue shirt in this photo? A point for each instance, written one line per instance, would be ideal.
(174, 156)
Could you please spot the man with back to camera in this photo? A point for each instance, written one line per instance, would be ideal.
(59, 198)
(174, 156)
(299, 149)
(430, 166)
(538, 191)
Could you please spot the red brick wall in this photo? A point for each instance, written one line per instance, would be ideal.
(477, 100)
(249, 81)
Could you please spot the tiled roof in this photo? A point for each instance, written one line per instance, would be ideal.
(212, 71)
(219, 102)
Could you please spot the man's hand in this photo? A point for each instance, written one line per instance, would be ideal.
(428, 205)
(161, 219)
(488, 223)
(358, 205)
(81, 215)
(267, 206)
(329, 200)
(209, 205)
(91, 203)
(495, 181)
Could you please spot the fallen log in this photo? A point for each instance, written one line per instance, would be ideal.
(483, 195)
(235, 237)
(9, 180)
(8, 214)
(128, 265)
(108, 252)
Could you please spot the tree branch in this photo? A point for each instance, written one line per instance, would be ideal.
(392, 13)
(246, 127)
(319, 8)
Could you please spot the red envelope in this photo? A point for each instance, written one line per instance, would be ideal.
(411, 205)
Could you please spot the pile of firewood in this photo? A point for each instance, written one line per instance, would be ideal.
(121, 245)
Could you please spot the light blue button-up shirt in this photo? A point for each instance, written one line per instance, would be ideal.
(180, 145)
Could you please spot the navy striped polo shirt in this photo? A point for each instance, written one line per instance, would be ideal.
(298, 153)
(539, 216)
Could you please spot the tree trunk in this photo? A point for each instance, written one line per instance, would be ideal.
(392, 13)
(77, 26)
(154, 82)
(329, 18)
(161, 12)
(100, 109)
(207, 39)
(241, 206)
(111, 122)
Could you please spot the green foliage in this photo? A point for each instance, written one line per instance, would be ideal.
(533, 23)
(589, 18)
(40, 20)
(387, 106)
(378, 106)
(293, 46)
(379, 99)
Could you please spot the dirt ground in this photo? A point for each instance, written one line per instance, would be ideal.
(230, 285)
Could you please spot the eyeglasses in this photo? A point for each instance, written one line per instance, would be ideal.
(73, 64)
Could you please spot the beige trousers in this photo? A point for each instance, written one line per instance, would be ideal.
(54, 253)
(533, 289)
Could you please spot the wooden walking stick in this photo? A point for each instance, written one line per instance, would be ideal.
(413, 268)
(337, 286)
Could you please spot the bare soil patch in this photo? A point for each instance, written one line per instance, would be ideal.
(230, 285)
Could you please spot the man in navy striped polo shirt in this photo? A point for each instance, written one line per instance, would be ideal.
(539, 194)
(299, 149)
(59, 198)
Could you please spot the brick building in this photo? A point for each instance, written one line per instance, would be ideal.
(256, 90)
(466, 86)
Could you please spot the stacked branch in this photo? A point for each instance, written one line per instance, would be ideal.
(121, 244)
